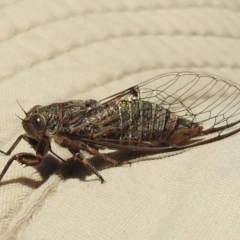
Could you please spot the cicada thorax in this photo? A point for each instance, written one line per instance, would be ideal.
(62, 117)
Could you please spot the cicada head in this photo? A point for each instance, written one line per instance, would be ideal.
(34, 122)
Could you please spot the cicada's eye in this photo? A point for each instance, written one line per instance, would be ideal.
(38, 122)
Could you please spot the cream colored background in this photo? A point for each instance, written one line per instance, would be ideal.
(58, 50)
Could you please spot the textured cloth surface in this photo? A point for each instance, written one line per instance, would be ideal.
(58, 50)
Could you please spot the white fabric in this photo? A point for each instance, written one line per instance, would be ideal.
(58, 50)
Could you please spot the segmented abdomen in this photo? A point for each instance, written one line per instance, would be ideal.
(146, 121)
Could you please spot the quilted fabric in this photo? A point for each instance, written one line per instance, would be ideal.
(57, 50)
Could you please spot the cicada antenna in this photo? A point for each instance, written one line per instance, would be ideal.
(21, 108)
(24, 120)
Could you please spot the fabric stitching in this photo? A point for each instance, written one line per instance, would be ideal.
(89, 43)
(74, 15)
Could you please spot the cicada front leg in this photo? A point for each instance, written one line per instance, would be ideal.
(27, 159)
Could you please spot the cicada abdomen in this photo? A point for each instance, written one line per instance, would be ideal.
(146, 123)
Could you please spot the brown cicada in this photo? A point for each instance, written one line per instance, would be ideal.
(170, 112)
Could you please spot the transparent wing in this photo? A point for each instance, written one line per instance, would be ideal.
(205, 99)
(209, 101)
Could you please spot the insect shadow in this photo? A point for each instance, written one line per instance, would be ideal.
(73, 168)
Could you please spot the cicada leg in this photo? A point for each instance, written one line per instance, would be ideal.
(27, 159)
(114, 162)
(89, 166)
(41, 147)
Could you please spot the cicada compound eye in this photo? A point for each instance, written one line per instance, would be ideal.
(38, 122)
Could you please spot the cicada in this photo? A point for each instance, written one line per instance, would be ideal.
(170, 112)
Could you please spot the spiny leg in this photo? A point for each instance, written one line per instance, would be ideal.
(89, 166)
(41, 147)
(96, 153)
(9, 151)
(28, 159)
